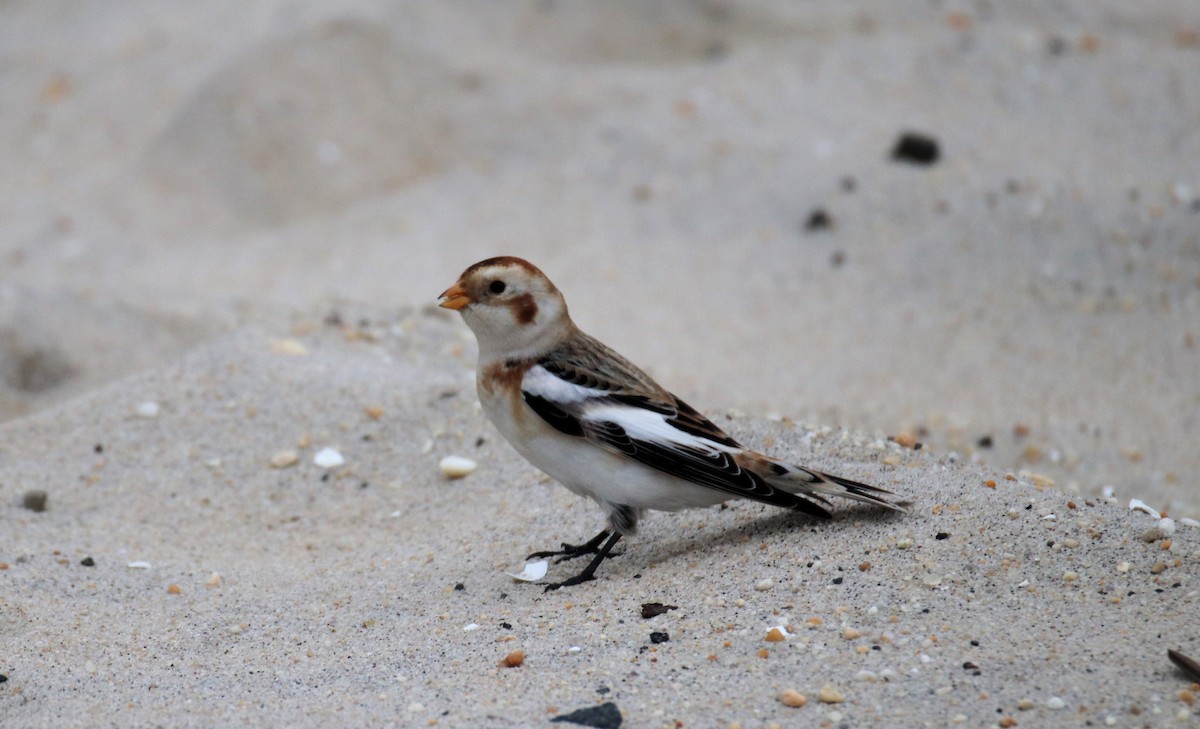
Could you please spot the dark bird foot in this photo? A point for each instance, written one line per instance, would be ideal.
(589, 572)
(571, 551)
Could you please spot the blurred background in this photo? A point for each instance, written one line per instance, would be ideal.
(715, 185)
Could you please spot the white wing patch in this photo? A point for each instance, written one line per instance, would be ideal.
(647, 425)
(540, 383)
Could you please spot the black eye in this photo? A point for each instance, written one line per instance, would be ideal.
(496, 287)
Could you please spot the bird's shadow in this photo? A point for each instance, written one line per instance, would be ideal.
(663, 548)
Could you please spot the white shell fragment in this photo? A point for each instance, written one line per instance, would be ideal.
(148, 409)
(457, 466)
(139, 565)
(470, 627)
(328, 458)
(1139, 505)
(533, 571)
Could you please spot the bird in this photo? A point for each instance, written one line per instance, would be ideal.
(599, 425)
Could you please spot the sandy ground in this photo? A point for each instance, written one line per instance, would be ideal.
(241, 215)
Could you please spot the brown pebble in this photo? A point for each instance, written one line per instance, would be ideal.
(35, 500)
(374, 412)
(1007, 721)
(1187, 696)
(764, 653)
(990, 483)
(514, 659)
(864, 566)
(908, 440)
(830, 695)
(173, 589)
(1158, 567)
(775, 635)
(792, 698)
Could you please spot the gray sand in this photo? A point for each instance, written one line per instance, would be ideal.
(189, 199)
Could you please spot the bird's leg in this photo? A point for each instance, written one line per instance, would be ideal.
(571, 551)
(589, 572)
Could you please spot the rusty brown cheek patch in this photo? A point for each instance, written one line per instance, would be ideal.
(504, 377)
(525, 308)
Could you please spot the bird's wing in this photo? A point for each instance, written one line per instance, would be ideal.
(619, 408)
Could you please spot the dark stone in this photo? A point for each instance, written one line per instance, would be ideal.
(604, 716)
(942, 535)
(35, 500)
(984, 442)
(660, 637)
(917, 149)
(818, 219)
(88, 562)
(654, 609)
(459, 586)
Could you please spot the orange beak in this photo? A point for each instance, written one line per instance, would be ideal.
(454, 297)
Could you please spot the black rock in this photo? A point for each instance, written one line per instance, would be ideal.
(658, 637)
(604, 716)
(818, 219)
(917, 149)
(88, 562)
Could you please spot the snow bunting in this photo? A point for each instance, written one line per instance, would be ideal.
(599, 425)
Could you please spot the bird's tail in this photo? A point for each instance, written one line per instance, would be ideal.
(817, 485)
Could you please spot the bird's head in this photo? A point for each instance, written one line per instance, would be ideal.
(510, 305)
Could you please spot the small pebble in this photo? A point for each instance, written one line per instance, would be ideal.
(916, 149)
(1123, 567)
(328, 458)
(148, 409)
(775, 635)
(1055, 702)
(1025, 704)
(660, 637)
(830, 695)
(765, 585)
(793, 698)
(174, 589)
(456, 466)
(35, 500)
(285, 459)
(88, 562)
(654, 609)
(214, 580)
(851, 634)
(514, 659)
